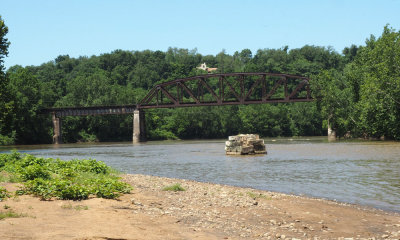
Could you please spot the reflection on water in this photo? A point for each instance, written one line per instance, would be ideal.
(361, 172)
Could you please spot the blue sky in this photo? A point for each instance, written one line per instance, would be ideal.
(41, 30)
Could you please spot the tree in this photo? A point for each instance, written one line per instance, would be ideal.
(4, 44)
(5, 105)
(377, 66)
(350, 53)
(334, 98)
(30, 127)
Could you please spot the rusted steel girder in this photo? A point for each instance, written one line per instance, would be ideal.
(228, 89)
(85, 111)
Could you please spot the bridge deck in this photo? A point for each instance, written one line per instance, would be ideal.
(85, 111)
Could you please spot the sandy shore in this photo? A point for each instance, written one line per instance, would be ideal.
(203, 211)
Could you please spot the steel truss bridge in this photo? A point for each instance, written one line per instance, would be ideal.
(228, 89)
(203, 90)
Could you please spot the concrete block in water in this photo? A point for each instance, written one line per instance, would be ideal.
(245, 144)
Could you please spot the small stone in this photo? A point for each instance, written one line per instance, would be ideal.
(385, 236)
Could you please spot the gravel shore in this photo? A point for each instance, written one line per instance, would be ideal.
(244, 213)
(203, 211)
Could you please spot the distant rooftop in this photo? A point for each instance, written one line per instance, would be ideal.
(204, 67)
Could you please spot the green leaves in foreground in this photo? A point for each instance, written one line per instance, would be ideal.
(53, 178)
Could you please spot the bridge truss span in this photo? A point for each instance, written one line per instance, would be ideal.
(228, 89)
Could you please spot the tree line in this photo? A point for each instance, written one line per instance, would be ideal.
(357, 93)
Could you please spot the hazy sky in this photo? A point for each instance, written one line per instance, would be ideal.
(39, 31)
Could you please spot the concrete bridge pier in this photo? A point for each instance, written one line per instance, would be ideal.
(331, 133)
(57, 137)
(139, 130)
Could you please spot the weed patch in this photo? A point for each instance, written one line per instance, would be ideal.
(255, 196)
(11, 214)
(77, 207)
(176, 187)
(4, 193)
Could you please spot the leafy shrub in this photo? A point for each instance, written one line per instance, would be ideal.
(176, 187)
(73, 191)
(110, 188)
(45, 189)
(91, 165)
(34, 171)
(12, 157)
(75, 179)
(29, 160)
(67, 172)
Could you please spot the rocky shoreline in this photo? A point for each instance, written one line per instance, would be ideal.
(202, 211)
(245, 213)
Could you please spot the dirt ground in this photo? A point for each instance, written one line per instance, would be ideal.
(203, 211)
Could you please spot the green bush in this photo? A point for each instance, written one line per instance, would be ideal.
(7, 140)
(12, 157)
(110, 188)
(91, 165)
(29, 160)
(45, 189)
(75, 179)
(73, 191)
(34, 171)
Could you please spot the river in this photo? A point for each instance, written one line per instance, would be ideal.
(358, 172)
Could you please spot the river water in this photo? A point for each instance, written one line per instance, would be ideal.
(359, 172)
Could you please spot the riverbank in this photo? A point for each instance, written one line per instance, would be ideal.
(202, 211)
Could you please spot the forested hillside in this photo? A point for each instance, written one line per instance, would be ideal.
(356, 91)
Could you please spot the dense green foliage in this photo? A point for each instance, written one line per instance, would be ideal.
(5, 103)
(357, 94)
(364, 99)
(75, 179)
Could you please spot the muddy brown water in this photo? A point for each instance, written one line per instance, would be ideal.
(358, 172)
